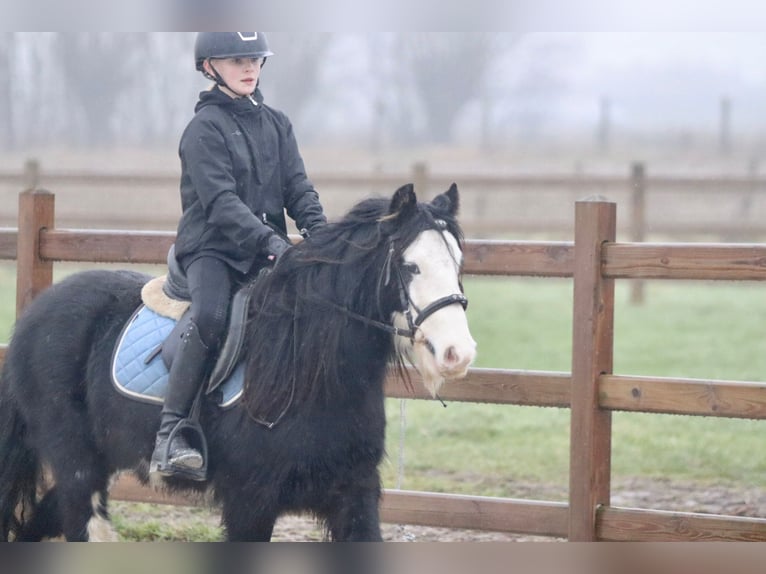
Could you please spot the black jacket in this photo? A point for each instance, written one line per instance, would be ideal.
(240, 170)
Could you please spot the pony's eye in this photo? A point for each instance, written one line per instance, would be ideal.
(411, 268)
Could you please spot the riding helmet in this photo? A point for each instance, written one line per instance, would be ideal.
(230, 45)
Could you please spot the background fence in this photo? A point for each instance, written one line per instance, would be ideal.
(494, 205)
(594, 261)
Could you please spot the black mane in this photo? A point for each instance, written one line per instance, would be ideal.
(342, 264)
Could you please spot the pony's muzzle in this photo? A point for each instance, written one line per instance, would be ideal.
(455, 359)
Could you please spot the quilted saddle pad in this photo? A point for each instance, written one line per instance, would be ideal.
(147, 380)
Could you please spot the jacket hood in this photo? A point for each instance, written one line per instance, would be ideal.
(215, 97)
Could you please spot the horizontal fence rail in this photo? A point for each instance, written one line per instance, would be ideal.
(630, 524)
(8, 239)
(496, 386)
(587, 515)
(590, 182)
(685, 261)
(712, 398)
(495, 204)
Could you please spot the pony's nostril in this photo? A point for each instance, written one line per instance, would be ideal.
(451, 356)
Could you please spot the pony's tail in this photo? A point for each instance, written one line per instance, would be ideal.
(19, 471)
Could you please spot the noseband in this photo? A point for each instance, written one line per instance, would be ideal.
(413, 324)
(422, 314)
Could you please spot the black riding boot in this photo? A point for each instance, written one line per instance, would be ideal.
(173, 456)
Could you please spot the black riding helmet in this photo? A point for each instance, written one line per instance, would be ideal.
(229, 45)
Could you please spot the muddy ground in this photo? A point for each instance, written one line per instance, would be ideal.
(637, 493)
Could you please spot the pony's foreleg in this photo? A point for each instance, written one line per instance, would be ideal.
(356, 517)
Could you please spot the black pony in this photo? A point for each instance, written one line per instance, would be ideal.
(308, 434)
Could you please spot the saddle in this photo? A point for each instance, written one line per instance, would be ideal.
(154, 331)
(175, 288)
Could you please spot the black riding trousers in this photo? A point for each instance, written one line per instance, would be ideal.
(210, 286)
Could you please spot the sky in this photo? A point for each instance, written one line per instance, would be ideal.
(652, 80)
(548, 84)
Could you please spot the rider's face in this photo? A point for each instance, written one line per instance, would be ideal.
(240, 74)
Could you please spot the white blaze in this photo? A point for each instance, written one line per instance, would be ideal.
(438, 257)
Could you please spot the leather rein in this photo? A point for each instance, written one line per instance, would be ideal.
(413, 324)
(406, 302)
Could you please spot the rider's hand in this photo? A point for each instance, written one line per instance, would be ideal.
(276, 247)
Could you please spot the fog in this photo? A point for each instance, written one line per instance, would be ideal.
(382, 90)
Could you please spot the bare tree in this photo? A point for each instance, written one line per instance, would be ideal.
(96, 66)
(447, 71)
(293, 78)
(167, 90)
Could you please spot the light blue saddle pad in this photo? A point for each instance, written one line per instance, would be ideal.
(148, 382)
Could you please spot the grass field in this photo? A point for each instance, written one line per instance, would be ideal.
(685, 329)
(713, 330)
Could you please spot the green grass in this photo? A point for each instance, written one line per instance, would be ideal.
(160, 530)
(7, 298)
(685, 329)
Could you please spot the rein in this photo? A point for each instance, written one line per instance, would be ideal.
(406, 303)
(405, 300)
(394, 330)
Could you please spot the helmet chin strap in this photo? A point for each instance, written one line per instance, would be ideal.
(218, 79)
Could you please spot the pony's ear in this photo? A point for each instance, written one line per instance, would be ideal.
(448, 202)
(404, 201)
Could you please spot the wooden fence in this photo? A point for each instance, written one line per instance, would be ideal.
(592, 391)
(493, 205)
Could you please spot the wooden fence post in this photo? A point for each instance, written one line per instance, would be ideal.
(36, 213)
(592, 349)
(638, 221)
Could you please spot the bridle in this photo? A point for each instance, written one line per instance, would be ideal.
(405, 301)
(413, 324)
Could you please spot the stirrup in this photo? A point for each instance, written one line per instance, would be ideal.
(165, 468)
